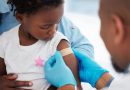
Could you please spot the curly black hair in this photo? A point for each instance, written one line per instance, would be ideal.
(31, 6)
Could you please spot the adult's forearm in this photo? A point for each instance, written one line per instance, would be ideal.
(103, 81)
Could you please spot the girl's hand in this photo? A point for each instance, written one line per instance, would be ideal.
(8, 82)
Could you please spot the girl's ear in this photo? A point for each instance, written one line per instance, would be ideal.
(20, 17)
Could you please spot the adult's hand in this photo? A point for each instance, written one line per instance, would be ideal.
(57, 73)
(9, 82)
(89, 70)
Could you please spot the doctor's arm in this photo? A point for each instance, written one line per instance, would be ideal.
(87, 72)
(101, 83)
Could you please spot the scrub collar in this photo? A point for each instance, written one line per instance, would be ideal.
(127, 70)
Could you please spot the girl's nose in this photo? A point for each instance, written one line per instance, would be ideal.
(51, 32)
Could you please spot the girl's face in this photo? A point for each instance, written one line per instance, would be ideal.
(43, 24)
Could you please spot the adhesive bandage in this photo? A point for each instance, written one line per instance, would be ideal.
(66, 51)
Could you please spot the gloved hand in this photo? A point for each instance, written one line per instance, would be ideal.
(57, 73)
(89, 70)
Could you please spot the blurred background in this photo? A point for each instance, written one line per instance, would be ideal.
(84, 14)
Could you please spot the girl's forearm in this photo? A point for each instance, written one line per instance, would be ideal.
(67, 87)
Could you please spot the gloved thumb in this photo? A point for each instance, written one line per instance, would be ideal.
(49, 64)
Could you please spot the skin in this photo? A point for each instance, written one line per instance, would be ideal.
(115, 25)
(44, 28)
(9, 82)
(71, 62)
(66, 87)
(40, 25)
(115, 30)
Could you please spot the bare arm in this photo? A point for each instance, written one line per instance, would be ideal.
(67, 87)
(103, 81)
(70, 61)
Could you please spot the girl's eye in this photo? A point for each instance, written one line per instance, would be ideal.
(49, 26)
(45, 27)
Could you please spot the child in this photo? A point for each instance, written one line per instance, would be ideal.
(25, 48)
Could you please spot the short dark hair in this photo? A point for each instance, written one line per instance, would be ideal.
(31, 6)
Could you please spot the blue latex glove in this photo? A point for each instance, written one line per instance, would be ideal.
(89, 70)
(57, 73)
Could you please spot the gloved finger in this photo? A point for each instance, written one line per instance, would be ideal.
(49, 64)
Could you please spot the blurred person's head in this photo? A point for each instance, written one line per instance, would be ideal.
(38, 18)
(115, 31)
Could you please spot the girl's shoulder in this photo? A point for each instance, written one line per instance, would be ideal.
(8, 35)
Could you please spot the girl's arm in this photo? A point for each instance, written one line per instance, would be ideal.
(70, 61)
(67, 87)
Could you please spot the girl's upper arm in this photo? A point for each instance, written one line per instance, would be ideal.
(70, 61)
(2, 67)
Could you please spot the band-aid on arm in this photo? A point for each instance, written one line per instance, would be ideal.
(66, 51)
(70, 60)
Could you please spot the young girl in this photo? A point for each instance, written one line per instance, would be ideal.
(26, 48)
